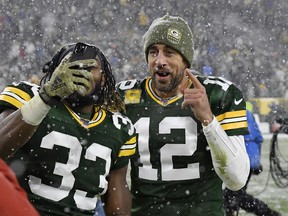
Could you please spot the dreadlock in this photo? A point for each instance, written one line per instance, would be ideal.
(109, 99)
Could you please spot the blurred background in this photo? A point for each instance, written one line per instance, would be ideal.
(244, 41)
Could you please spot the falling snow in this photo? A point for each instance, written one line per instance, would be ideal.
(245, 41)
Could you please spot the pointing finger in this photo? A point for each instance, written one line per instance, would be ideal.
(194, 79)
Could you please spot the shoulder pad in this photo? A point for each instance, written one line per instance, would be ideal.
(129, 84)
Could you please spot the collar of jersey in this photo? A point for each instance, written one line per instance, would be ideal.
(156, 98)
(98, 117)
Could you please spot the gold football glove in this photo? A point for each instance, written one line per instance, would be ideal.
(68, 78)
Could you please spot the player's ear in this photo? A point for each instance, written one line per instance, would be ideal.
(185, 63)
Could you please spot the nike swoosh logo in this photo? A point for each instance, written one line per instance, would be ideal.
(237, 102)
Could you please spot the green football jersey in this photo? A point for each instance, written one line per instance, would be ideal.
(172, 172)
(69, 157)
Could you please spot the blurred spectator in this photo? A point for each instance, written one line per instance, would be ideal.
(243, 41)
(280, 125)
(277, 111)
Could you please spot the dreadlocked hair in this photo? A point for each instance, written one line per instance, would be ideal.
(111, 99)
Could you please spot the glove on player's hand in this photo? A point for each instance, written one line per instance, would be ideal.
(67, 78)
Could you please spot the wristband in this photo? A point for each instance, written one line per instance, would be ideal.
(51, 101)
(34, 111)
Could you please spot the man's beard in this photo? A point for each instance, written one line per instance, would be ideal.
(164, 87)
(77, 100)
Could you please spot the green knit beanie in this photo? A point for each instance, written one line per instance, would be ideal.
(173, 32)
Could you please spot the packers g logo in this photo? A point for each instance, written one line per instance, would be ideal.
(174, 35)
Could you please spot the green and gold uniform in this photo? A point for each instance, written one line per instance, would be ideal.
(69, 157)
(172, 172)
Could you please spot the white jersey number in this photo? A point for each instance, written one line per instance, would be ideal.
(65, 170)
(169, 150)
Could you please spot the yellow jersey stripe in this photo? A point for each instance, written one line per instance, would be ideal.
(235, 125)
(127, 152)
(19, 92)
(131, 141)
(129, 148)
(233, 120)
(11, 101)
(232, 114)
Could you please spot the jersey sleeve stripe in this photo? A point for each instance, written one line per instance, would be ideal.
(125, 147)
(16, 91)
(124, 153)
(235, 125)
(131, 141)
(130, 144)
(232, 114)
(11, 100)
(129, 148)
(233, 120)
(15, 96)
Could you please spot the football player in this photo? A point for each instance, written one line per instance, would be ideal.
(69, 135)
(190, 129)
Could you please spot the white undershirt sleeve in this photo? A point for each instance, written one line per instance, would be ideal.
(229, 156)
